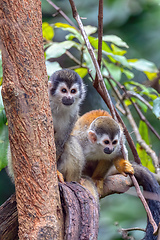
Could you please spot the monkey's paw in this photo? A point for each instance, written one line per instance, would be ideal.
(124, 167)
(60, 177)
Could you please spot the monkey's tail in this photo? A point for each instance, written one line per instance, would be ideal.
(152, 190)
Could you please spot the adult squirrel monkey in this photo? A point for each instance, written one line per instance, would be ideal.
(66, 92)
(101, 137)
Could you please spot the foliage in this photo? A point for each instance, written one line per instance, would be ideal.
(3, 135)
(1, 70)
(115, 66)
(145, 159)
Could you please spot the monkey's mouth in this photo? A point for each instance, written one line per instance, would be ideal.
(108, 150)
(67, 101)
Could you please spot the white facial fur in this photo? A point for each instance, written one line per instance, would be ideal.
(63, 91)
(105, 141)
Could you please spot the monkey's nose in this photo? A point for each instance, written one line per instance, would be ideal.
(108, 150)
(67, 101)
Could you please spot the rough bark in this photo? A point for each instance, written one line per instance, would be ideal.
(26, 102)
(9, 219)
(81, 214)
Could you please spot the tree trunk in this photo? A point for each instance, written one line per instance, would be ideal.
(25, 96)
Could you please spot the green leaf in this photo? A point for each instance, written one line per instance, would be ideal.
(156, 107)
(118, 58)
(116, 40)
(58, 49)
(90, 29)
(89, 63)
(143, 130)
(108, 86)
(142, 105)
(151, 76)
(128, 73)
(70, 36)
(141, 89)
(66, 27)
(117, 50)
(1, 69)
(145, 159)
(94, 43)
(127, 102)
(69, 28)
(3, 146)
(1, 100)
(143, 65)
(105, 47)
(114, 70)
(3, 135)
(81, 71)
(52, 67)
(131, 86)
(149, 92)
(47, 30)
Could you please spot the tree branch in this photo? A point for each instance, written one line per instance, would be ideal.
(100, 35)
(62, 13)
(80, 212)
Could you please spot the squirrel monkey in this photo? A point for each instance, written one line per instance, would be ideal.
(101, 137)
(66, 93)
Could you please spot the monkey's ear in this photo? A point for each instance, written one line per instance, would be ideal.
(92, 136)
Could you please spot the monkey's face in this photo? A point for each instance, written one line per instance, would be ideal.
(109, 144)
(64, 96)
(106, 143)
(68, 96)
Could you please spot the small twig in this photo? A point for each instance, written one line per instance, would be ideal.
(100, 31)
(89, 47)
(133, 229)
(136, 95)
(124, 232)
(100, 35)
(140, 195)
(82, 50)
(70, 55)
(143, 118)
(62, 13)
(117, 94)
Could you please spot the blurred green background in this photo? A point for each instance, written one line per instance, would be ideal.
(137, 23)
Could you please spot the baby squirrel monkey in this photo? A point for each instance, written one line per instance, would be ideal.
(66, 93)
(101, 137)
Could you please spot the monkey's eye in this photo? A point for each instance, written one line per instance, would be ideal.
(63, 90)
(114, 142)
(106, 142)
(73, 90)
